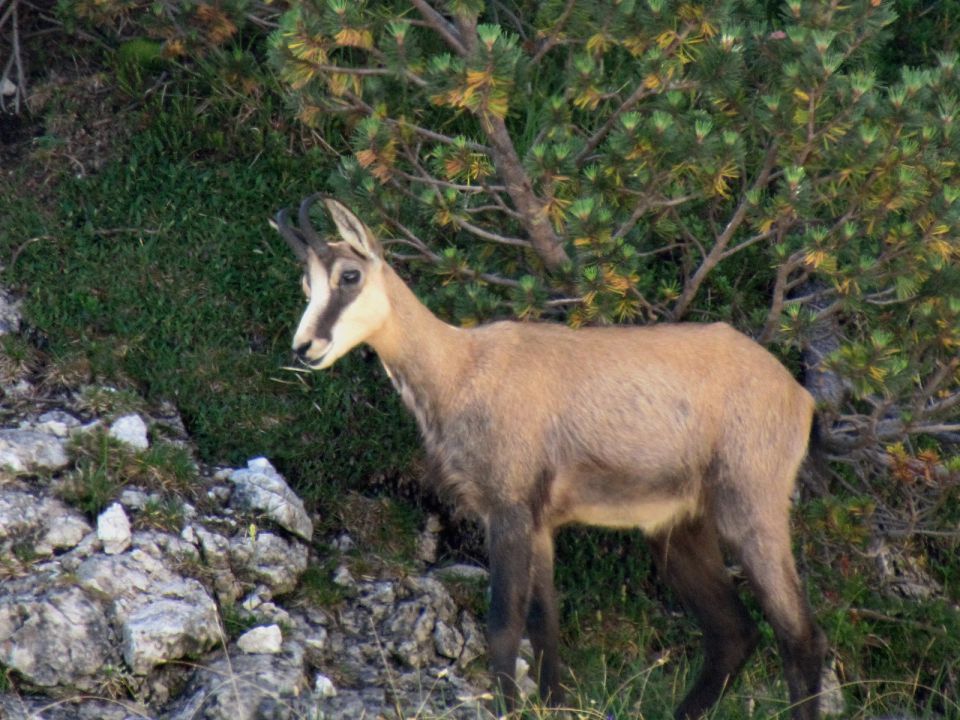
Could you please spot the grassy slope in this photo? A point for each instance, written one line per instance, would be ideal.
(161, 271)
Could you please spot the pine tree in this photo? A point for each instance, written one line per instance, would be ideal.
(644, 160)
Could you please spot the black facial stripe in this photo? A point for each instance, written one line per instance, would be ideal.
(340, 298)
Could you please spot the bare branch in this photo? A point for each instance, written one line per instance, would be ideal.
(359, 104)
(413, 241)
(498, 207)
(492, 237)
(745, 244)
(716, 253)
(413, 77)
(779, 293)
(440, 24)
(643, 207)
(553, 39)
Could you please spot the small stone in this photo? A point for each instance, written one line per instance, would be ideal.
(113, 529)
(7, 88)
(252, 601)
(132, 430)
(188, 534)
(67, 532)
(447, 640)
(169, 628)
(267, 640)
(462, 571)
(832, 703)
(134, 499)
(219, 493)
(343, 577)
(268, 559)
(344, 543)
(324, 687)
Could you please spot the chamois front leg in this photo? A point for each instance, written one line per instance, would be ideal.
(509, 541)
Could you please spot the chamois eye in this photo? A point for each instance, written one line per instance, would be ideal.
(350, 277)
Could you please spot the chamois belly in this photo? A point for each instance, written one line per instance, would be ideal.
(623, 501)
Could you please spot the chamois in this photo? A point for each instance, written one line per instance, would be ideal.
(691, 432)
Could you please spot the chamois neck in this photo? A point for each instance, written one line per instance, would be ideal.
(416, 344)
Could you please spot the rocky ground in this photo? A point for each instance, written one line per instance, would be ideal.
(116, 615)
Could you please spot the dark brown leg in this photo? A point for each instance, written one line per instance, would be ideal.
(768, 561)
(509, 540)
(691, 562)
(543, 623)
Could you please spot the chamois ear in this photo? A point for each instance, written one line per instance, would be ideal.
(353, 231)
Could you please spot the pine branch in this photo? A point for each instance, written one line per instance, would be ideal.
(716, 253)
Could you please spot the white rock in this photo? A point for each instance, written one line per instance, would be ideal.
(461, 572)
(169, 628)
(67, 532)
(262, 639)
(268, 559)
(324, 687)
(252, 602)
(832, 703)
(259, 487)
(7, 88)
(132, 430)
(113, 529)
(25, 450)
(134, 499)
(343, 577)
(188, 534)
(9, 308)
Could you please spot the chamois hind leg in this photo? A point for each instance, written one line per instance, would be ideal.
(543, 623)
(691, 562)
(768, 560)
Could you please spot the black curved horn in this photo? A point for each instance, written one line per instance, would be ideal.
(290, 234)
(306, 228)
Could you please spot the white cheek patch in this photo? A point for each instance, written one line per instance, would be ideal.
(319, 292)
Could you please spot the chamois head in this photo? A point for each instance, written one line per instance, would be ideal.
(342, 280)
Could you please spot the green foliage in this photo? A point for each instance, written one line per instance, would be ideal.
(616, 162)
(93, 484)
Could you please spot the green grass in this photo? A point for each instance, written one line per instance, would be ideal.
(162, 268)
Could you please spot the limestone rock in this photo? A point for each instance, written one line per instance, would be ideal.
(53, 635)
(265, 639)
(324, 687)
(260, 488)
(132, 430)
(9, 308)
(249, 687)
(44, 524)
(269, 559)
(113, 529)
(162, 616)
(24, 450)
(169, 628)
